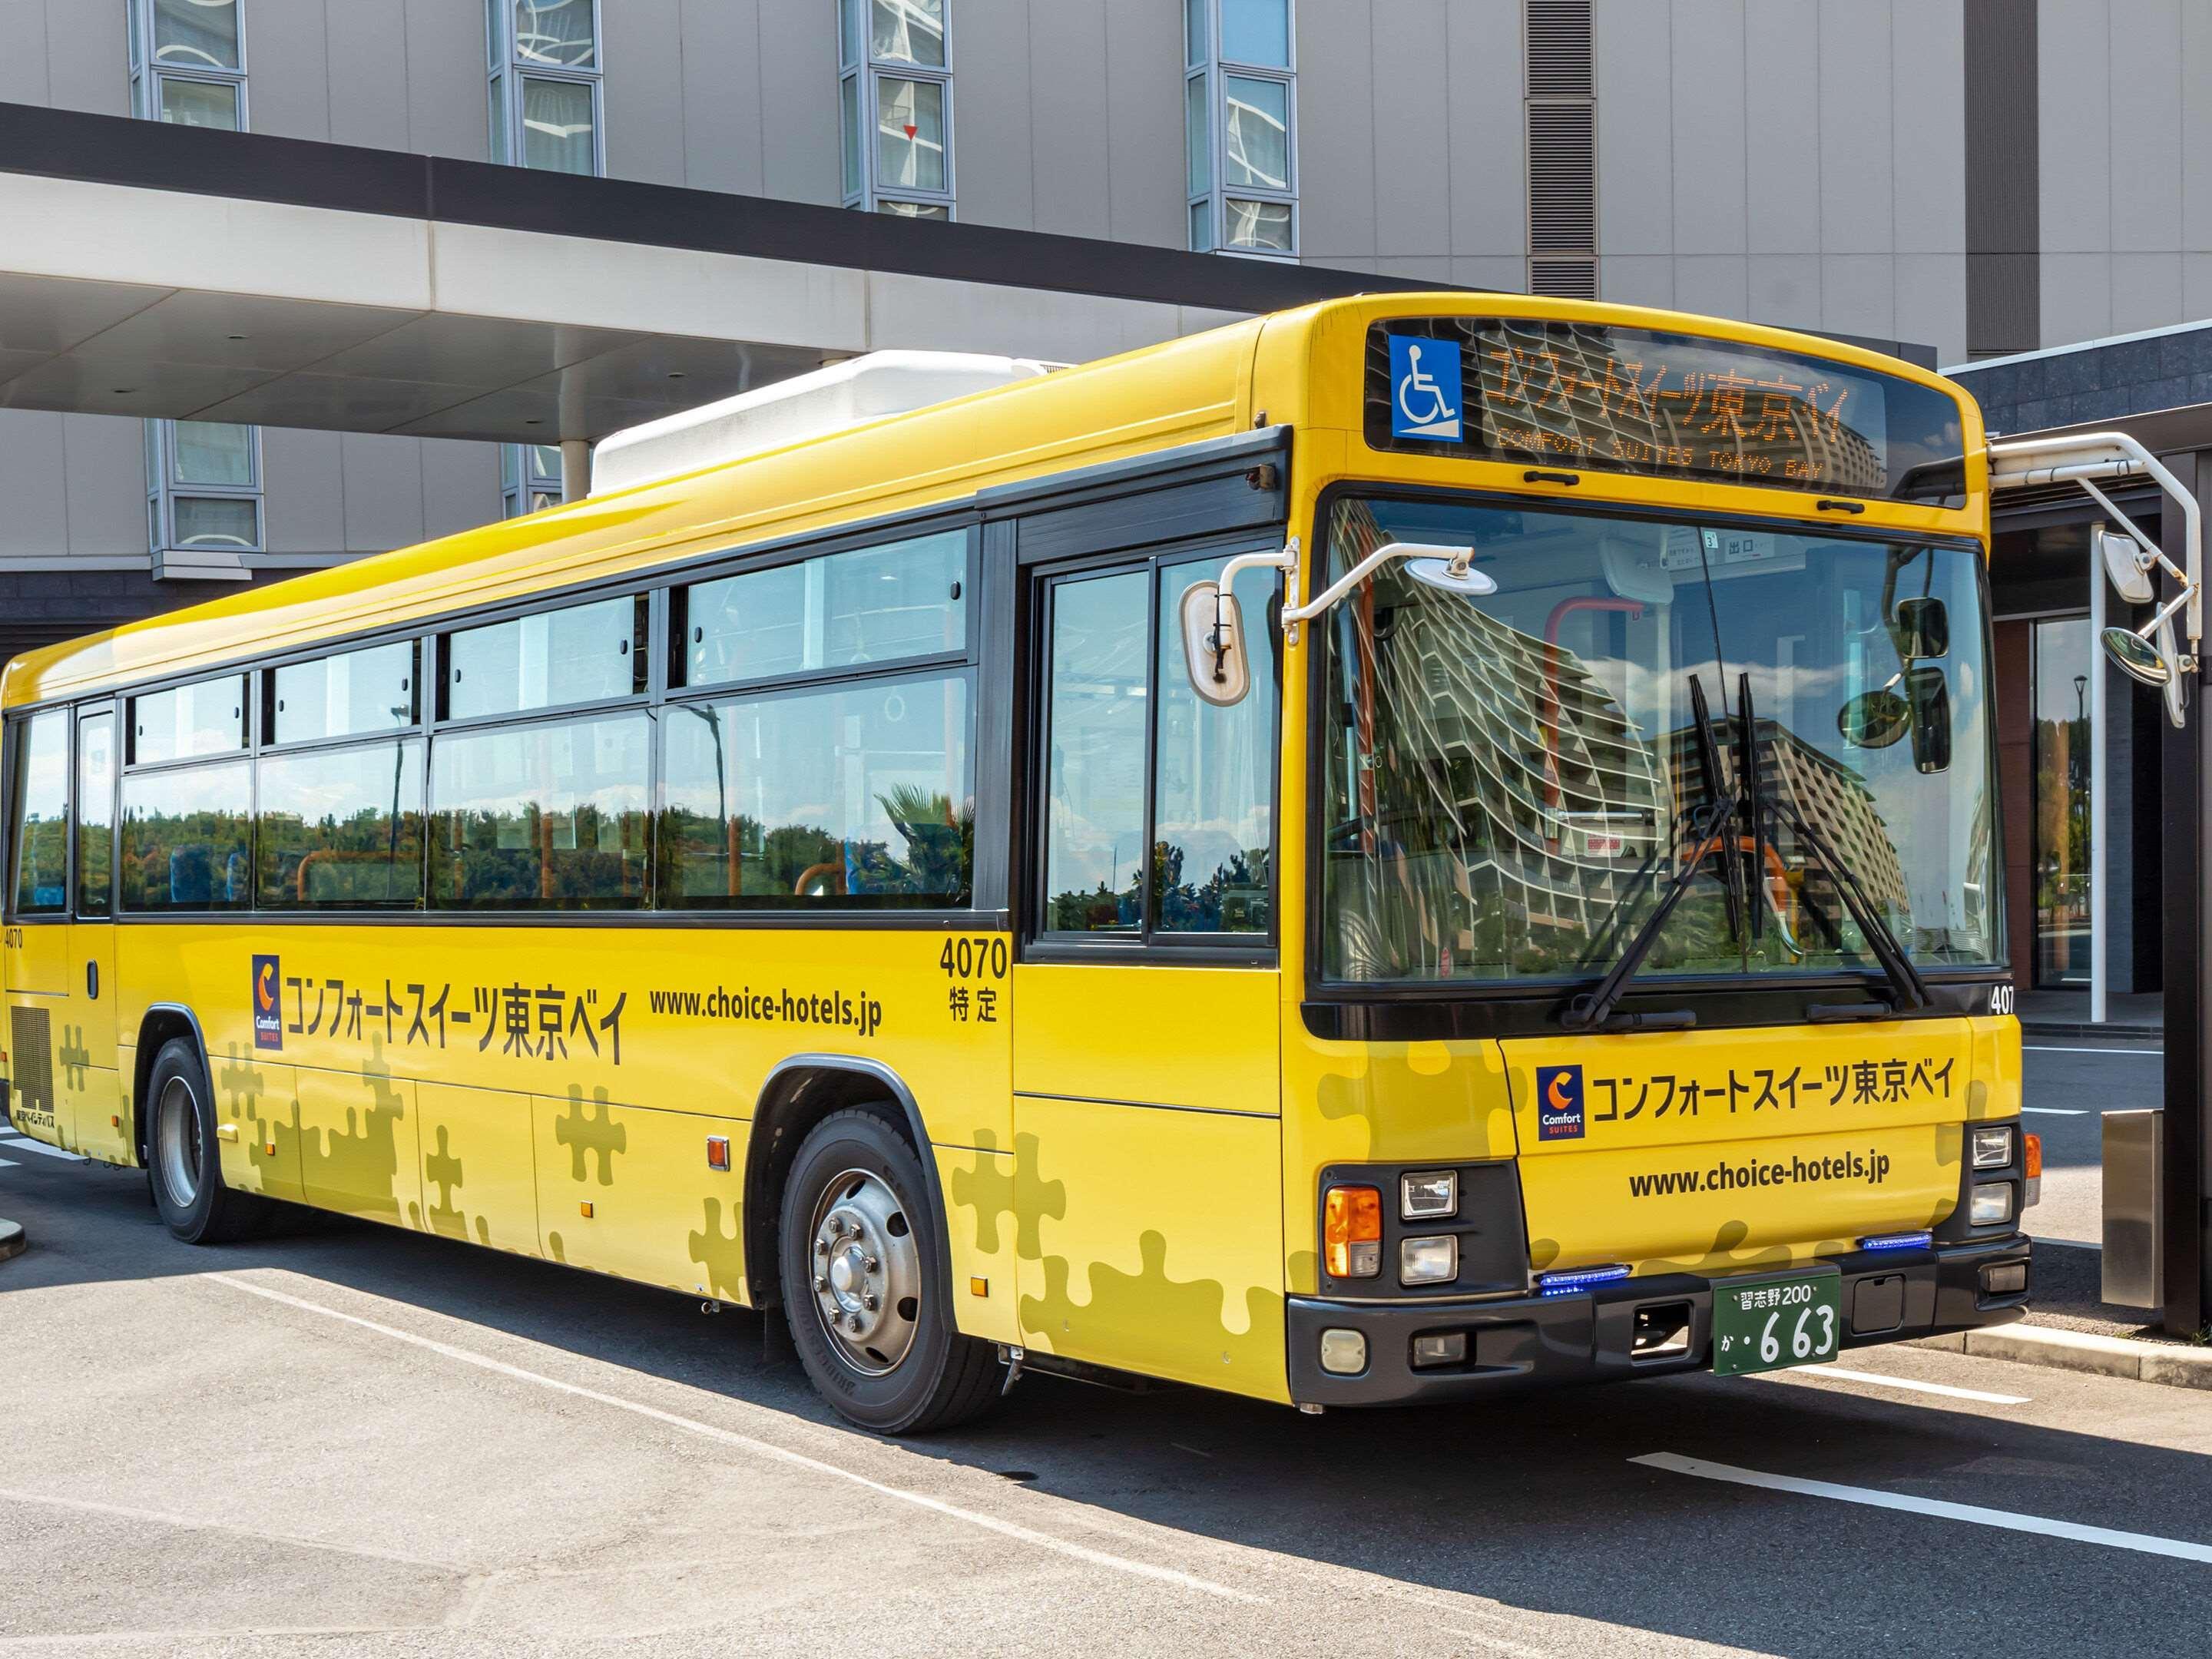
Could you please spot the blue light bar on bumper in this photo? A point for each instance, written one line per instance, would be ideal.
(1579, 1279)
(1897, 1241)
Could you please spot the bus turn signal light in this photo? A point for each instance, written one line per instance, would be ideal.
(1352, 1231)
(2034, 1165)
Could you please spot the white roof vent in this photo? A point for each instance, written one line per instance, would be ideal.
(843, 395)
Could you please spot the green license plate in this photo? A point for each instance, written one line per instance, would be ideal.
(1763, 1324)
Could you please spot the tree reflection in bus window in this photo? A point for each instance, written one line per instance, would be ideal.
(95, 814)
(40, 798)
(549, 816)
(856, 796)
(1095, 755)
(185, 838)
(341, 828)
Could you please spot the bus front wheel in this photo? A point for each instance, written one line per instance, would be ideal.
(865, 1288)
(180, 1147)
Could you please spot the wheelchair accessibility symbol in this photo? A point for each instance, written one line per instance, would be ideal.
(1424, 388)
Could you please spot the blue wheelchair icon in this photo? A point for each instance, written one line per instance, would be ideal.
(1425, 388)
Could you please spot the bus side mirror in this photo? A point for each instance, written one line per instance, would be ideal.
(1923, 627)
(1874, 719)
(1213, 644)
(1929, 690)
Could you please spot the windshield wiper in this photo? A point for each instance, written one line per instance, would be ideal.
(1590, 1012)
(1888, 950)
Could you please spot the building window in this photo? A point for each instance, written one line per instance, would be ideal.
(894, 95)
(545, 70)
(1240, 126)
(203, 497)
(530, 478)
(188, 63)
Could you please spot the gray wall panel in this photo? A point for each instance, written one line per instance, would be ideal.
(2195, 70)
(1782, 170)
(2073, 144)
(645, 90)
(383, 491)
(1858, 295)
(1782, 288)
(993, 138)
(1489, 139)
(2145, 104)
(1707, 138)
(1931, 302)
(1635, 148)
(24, 76)
(1716, 284)
(366, 46)
(105, 458)
(799, 101)
(1336, 133)
(1146, 185)
(447, 108)
(1069, 109)
(722, 134)
(460, 486)
(1928, 135)
(1419, 141)
(288, 64)
(303, 495)
(88, 57)
(35, 482)
(2145, 291)
(1856, 201)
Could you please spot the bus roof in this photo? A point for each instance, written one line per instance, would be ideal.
(1158, 397)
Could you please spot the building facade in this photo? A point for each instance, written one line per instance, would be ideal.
(1979, 177)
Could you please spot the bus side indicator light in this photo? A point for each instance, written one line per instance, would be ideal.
(1351, 1232)
(718, 1153)
(978, 1287)
(585, 1209)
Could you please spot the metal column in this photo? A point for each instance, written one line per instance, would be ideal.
(2186, 756)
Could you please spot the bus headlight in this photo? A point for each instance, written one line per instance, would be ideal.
(1990, 1204)
(1429, 1260)
(1993, 1147)
(1434, 1193)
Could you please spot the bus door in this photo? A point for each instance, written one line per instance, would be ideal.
(1147, 1090)
(88, 1076)
(35, 959)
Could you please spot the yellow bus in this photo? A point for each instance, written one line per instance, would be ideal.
(1389, 852)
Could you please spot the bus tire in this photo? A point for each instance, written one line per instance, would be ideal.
(182, 1165)
(866, 1287)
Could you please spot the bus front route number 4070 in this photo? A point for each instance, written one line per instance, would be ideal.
(1762, 1324)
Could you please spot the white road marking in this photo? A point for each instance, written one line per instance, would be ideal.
(2055, 1049)
(759, 1448)
(2005, 1519)
(25, 1144)
(196, 1524)
(2057, 1111)
(8, 1163)
(1911, 1384)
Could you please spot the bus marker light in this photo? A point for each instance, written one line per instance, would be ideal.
(1343, 1354)
(584, 1209)
(1433, 1193)
(978, 1287)
(1566, 1283)
(2004, 1278)
(718, 1153)
(1428, 1261)
(1352, 1231)
(1440, 1348)
(1897, 1241)
(226, 1131)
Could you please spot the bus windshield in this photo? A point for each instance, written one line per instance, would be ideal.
(1513, 781)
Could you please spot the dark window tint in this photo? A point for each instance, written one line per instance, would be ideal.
(39, 795)
(875, 605)
(351, 694)
(185, 838)
(95, 815)
(542, 816)
(586, 654)
(341, 828)
(206, 719)
(1095, 755)
(851, 796)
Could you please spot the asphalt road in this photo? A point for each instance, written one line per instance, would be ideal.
(362, 1441)
(2069, 1083)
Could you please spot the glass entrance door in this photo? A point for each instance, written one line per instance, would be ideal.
(2063, 754)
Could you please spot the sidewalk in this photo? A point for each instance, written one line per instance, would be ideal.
(2134, 1017)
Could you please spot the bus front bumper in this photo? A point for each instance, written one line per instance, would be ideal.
(1627, 1329)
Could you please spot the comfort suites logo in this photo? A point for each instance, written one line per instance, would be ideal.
(268, 1003)
(1558, 1103)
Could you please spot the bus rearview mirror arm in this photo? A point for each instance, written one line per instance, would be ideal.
(1213, 637)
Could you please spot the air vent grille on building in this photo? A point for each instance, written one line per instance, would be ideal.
(1559, 52)
(1562, 110)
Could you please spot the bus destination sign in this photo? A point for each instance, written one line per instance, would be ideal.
(1664, 405)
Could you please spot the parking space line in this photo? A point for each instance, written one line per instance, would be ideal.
(8, 1163)
(1973, 1513)
(2058, 1111)
(197, 1524)
(1911, 1384)
(2054, 1048)
(25, 1144)
(759, 1448)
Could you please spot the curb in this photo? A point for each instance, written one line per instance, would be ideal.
(2116, 1034)
(11, 1239)
(2063, 1350)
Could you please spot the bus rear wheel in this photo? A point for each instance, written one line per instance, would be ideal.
(180, 1154)
(866, 1287)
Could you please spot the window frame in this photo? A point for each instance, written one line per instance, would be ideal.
(504, 67)
(864, 71)
(1149, 943)
(1213, 68)
(163, 491)
(147, 75)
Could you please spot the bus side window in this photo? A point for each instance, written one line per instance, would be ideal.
(95, 814)
(39, 805)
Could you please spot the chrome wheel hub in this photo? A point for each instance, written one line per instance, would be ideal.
(177, 1141)
(866, 1272)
